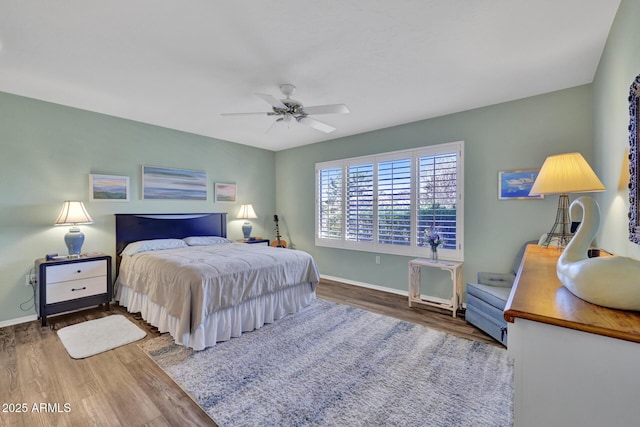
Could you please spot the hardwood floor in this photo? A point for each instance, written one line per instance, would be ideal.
(123, 387)
(395, 305)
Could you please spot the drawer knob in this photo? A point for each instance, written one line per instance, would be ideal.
(78, 289)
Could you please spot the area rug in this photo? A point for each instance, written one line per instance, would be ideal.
(335, 365)
(96, 336)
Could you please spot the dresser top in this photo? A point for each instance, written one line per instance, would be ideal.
(539, 295)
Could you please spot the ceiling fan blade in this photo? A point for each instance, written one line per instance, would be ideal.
(246, 114)
(272, 101)
(273, 124)
(326, 109)
(316, 124)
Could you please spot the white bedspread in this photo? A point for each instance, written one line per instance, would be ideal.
(194, 282)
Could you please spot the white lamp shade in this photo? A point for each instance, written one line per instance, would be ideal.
(247, 212)
(566, 173)
(73, 213)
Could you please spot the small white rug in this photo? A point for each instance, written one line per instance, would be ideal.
(96, 336)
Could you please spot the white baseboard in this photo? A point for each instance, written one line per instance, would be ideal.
(19, 320)
(384, 289)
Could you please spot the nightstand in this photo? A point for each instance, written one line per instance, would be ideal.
(72, 284)
(266, 241)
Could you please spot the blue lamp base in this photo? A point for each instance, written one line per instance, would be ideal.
(246, 230)
(74, 240)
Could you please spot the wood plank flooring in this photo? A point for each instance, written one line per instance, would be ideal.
(40, 385)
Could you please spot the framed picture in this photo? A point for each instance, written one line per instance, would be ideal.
(516, 184)
(108, 188)
(225, 193)
(173, 184)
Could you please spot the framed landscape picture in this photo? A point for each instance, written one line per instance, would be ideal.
(108, 188)
(173, 184)
(225, 193)
(516, 184)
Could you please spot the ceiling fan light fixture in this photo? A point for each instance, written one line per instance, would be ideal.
(288, 109)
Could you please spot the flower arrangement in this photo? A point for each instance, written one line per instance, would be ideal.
(435, 239)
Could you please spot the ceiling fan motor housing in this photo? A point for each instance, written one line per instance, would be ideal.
(294, 107)
(287, 89)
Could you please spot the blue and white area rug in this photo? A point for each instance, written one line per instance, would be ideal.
(335, 365)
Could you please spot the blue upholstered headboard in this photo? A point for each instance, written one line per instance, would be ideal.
(134, 227)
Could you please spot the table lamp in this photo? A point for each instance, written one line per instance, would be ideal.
(73, 213)
(246, 212)
(563, 174)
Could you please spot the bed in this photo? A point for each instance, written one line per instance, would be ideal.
(184, 277)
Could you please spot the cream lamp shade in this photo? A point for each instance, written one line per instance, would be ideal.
(563, 174)
(73, 213)
(566, 173)
(246, 212)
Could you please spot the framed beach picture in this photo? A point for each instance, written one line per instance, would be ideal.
(225, 193)
(173, 184)
(516, 184)
(108, 188)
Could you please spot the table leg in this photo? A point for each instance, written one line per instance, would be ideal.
(414, 283)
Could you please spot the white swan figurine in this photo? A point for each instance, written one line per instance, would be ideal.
(612, 282)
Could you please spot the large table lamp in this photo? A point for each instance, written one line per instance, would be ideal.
(563, 174)
(246, 212)
(73, 213)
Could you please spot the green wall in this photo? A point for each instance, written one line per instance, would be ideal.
(619, 66)
(513, 135)
(47, 153)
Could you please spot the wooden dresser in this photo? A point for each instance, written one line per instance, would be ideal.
(575, 363)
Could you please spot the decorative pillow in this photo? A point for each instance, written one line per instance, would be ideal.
(153, 245)
(206, 240)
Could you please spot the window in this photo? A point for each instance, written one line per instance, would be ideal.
(386, 203)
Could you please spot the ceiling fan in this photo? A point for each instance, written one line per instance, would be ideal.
(289, 109)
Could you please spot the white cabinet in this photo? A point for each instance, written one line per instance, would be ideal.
(575, 363)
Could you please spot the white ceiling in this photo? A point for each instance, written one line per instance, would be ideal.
(180, 64)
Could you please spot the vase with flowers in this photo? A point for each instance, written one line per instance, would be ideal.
(435, 239)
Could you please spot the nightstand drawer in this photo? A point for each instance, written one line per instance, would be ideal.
(74, 289)
(76, 271)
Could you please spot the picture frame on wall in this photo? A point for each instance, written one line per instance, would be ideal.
(516, 184)
(108, 188)
(160, 183)
(225, 193)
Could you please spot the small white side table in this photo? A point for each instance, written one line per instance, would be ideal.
(453, 267)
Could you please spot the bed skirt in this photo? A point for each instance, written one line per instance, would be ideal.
(224, 324)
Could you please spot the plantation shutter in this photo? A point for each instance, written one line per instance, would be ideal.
(385, 202)
(437, 197)
(360, 203)
(394, 202)
(330, 203)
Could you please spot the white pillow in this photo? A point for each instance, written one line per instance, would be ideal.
(206, 240)
(153, 245)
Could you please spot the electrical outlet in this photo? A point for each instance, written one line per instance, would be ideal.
(30, 279)
(377, 259)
